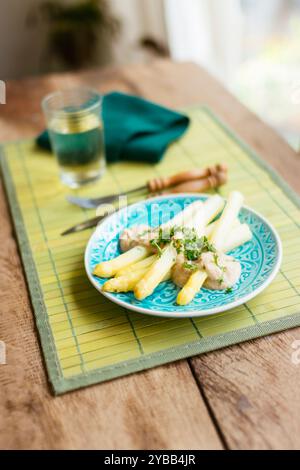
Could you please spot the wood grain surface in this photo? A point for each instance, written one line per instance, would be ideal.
(242, 397)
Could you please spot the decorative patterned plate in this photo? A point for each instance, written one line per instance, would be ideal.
(260, 259)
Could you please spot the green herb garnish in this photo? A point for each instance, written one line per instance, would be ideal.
(190, 266)
(188, 242)
(177, 245)
(216, 261)
(156, 245)
(164, 237)
(195, 246)
(228, 291)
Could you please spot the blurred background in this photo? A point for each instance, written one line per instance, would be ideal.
(252, 46)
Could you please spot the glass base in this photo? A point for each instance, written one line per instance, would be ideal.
(76, 179)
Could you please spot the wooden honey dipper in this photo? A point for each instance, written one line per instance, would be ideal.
(201, 185)
(210, 175)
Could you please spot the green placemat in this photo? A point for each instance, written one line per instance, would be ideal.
(87, 339)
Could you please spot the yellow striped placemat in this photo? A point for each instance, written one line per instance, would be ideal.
(87, 339)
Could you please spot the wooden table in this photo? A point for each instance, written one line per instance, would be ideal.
(246, 396)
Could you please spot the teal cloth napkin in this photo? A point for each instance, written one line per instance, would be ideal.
(135, 129)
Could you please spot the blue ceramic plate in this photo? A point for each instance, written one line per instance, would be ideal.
(260, 259)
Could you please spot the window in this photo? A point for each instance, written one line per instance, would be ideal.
(253, 46)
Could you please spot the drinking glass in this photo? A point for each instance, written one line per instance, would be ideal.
(76, 133)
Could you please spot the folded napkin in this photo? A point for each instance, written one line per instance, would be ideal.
(135, 129)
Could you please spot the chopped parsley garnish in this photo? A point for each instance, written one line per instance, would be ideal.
(216, 261)
(195, 246)
(156, 245)
(185, 240)
(165, 235)
(190, 266)
(228, 291)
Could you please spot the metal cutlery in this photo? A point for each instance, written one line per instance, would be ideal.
(153, 186)
(93, 203)
(193, 185)
(84, 225)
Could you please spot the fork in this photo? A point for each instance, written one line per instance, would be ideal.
(152, 186)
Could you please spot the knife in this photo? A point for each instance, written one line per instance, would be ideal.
(84, 225)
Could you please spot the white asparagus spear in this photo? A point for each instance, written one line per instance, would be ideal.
(111, 267)
(184, 216)
(237, 237)
(128, 282)
(124, 283)
(145, 263)
(156, 273)
(209, 210)
(210, 228)
(192, 287)
(224, 224)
